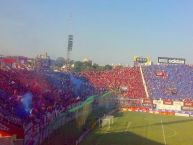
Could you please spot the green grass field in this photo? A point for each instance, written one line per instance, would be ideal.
(134, 128)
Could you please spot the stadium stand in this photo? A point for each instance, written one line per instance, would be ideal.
(30, 100)
(126, 80)
(169, 81)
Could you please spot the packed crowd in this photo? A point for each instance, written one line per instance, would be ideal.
(29, 97)
(127, 81)
(176, 81)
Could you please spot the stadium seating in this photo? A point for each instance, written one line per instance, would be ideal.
(126, 80)
(169, 81)
(28, 97)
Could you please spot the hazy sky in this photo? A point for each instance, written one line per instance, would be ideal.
(106, 31)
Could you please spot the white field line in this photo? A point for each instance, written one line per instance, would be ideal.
(174, 132)
(146, 128)
(163, 132)
(128, 125)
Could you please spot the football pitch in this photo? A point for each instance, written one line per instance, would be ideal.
(135, 128)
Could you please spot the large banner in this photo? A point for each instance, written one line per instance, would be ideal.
(168, 60)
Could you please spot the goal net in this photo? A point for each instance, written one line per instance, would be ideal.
(106, 121)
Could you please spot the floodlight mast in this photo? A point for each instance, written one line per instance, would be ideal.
(69, 49)
(70, 36)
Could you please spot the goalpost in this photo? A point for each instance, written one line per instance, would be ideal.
(106, 121)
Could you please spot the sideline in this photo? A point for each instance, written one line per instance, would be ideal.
(163, 132)
(128, 125)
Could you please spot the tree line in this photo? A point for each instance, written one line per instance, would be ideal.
(79, 66)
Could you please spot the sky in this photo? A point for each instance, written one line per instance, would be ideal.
(105, 31)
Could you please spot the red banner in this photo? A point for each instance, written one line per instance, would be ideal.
(188, 104)
(160, 74)
(168, 102)
(8, 60)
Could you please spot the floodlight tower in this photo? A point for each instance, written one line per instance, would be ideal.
(69, 49)
(70, 36)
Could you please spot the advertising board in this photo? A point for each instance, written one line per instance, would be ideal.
(168, 60)
(142, 60)
(167, 102)
(147, 101)
(182, 114)
(184, 108)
